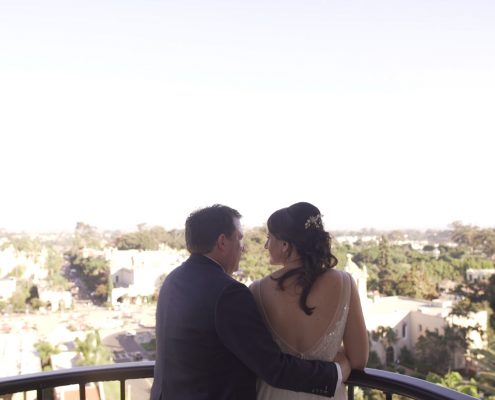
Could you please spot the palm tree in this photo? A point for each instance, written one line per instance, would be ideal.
(486, 362)
(455, 339)
(91, 350)
(45, 351)
(388, 338)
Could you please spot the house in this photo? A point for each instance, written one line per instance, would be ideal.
(477, 275)
(7, 288)
(410, 318)
(18, 356)
(136, 274)
(56, 300)
(32, 265)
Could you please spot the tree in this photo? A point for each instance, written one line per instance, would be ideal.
(34, 298)
(454, 380)
(464, 307)
(91, 350)
(26, 244)
(463, 234)
(486, 362)
(150, 239)
(45, 351)
(436, 353)
(386, 282)
(17, 272)
(254, 262)
(53, 263)
(374, 361)
(384, 259)
(86, 235)
(407, 358)
(481, 241)
(18, 299)
(416, 283)
(490, 294)
(95, 272)
(94, 266)
(388, 338)
(142, 240)
(431, 354)
(484, 240)
(456, 340)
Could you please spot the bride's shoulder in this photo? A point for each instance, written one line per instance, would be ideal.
(335, 277)
(255, 284)
(333, 274)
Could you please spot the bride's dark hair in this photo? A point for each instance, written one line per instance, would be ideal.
(301, 226)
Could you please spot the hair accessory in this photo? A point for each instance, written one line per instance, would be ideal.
(313, 221)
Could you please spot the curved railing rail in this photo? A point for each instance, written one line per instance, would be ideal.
(392, 383)
(387, 382)
(79, 375)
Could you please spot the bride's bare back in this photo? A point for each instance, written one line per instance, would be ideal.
(337, 306)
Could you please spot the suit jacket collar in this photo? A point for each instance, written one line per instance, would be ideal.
(202, 259)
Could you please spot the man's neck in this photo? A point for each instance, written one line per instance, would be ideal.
(215, 260)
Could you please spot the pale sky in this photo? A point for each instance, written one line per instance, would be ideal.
(114, 113)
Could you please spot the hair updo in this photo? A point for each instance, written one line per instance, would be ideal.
(301, 226)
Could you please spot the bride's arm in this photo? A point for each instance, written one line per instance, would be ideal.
(356, 343)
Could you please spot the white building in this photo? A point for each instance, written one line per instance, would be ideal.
(477, 275)
(410, 318)
(32, 265)
(136, 274)
(360, 276)
(7, 288)
(18, 356)
(57, 300)
(352, 239)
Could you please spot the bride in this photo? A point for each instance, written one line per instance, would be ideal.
(310, 307)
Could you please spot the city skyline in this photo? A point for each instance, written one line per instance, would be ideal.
(118, 114)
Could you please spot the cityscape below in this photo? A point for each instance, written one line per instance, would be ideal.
(89, 297)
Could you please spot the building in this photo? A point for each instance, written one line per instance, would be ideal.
(410, 318)
(56, 300)
(18, 356)
(478, 275)
(32, 264)
(7, 288)
(137, 274)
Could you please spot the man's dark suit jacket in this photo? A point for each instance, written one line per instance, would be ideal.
(212, 342)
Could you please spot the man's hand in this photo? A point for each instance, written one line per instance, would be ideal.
(345, 365)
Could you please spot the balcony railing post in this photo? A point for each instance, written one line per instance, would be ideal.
(82, 391)
(122, 389)
(350, 392)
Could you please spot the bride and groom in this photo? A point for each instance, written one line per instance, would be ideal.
(294, 334)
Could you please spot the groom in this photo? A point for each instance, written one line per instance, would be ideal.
(211, 340)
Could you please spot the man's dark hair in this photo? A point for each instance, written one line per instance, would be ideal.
(204, 226)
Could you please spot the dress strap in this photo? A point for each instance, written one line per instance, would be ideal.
(346, 288)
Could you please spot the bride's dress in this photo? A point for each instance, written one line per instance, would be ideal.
(324, 349)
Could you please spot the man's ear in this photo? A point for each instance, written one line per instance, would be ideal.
(221, 241)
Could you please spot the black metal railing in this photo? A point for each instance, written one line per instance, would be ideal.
(387, 382)
(391, 383)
